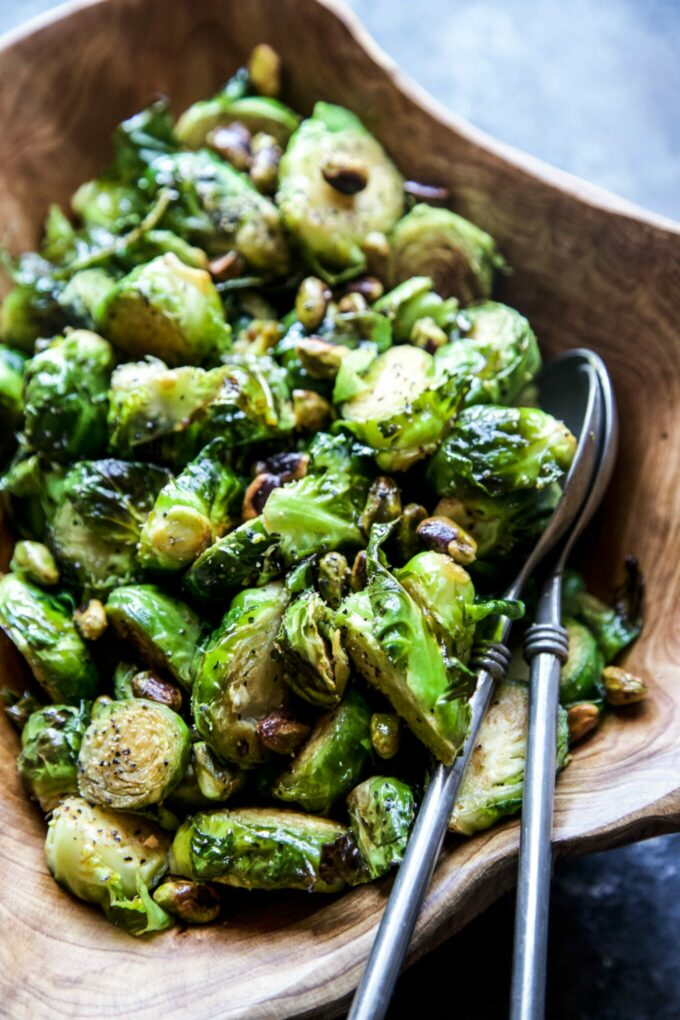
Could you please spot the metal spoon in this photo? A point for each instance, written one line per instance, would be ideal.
(573, 375)
(527, 996)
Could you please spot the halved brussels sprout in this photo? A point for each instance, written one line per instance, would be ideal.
(614, 626)
(494, 780)
(35, 562)
(458, 256)
(110, 859)
(40, 626)
(11, 394)
(66, 397)
(48, 761)
(256, 113)
(165, 631)
(381, 812)
(166, 309)
(332, 760)
(248, 555)
(309, 645)
(336, 186)
(132, 755)
(238, 682)
(83, 295)
(581, 674)
(256, 848)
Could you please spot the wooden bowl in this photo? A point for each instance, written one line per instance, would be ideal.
(590, 269)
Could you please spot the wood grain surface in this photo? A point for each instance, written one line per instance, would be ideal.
(589, 269)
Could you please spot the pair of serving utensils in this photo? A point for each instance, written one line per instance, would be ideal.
(575, 388)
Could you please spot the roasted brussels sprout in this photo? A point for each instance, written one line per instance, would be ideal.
(581, 675)
(123, 676)
(381, 812)
(414, 303)
(458, 256)
(66, 397)
(249, 555)
(494, 780)
(614, 626)
(133, 753)
(189, 902)
(19, 706)
(11, 397)
(50, 742)
(83, 295)
(332, 760)
(166, 309)
(256, 848)
(385, 734)
(328, 218)
(191, 512)
(110, 859)
(314, 661)
(256, 113)
(40, 626)
(237, 681)
(166, 632)
(35, 562)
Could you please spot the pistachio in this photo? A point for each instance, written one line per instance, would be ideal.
(427, 334)
(369, 287)
(320, 357)
(581, 719)
(622, 687)
(345, 173)
(35, 561)
(311, 302)
(232, 143)
(149, 685)
(258, 493)
(352, 302)
(281, 732)
(289, 464)
(192, 902)
(312, 412)
(445, 536)
(90, 620)
(359, 578)
(227, 266)
(264, 70)
(259, 336)
(264, 167)
(376, 249)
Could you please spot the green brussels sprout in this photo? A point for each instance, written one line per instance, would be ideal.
(256, 848)
(315, 663)
(500, 350)
(19, 706)
(404, 407)
(458, 256)
(256, 113)
(248, 555)
(11, 398)
(66, 397)
(166, 632)
(83, 295)
(613, 626)
(166, 309)
(113, 205)
(35, 562)
(252, 403)
(238, 682)
(41, 628)
(332, 760)
(494, 780)
(413, 302)
(383, 504)
(95, 530)
(216, 781)
(190, 902)
(333, 578)
(385, 736)
(31, 491)
(337, 186)
(110, 859)
(133, 753)
(498, 451)
(123, 675)
(381, 812)
(191, 512)
(581, 675)
(48, 761)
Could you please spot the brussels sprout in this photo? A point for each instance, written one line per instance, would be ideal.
(50, 742)
(404, 408)
(281, 732)
(35, 562)
(95, 530)
(494, 780)
(123, 675)
(215, 780)
(237, 681)
(414, 301)
(149, 685)
(11, 399)
(41, 627)
(191, 512)
(110, 859)
(581, 675)
(618, 625)
(108, 203)
(190, 902)
(329, 224)
(167, 309)
(30, 309)
(582, 719)
(498, 451)
(333, 579)
(309, 646)
(385, 734)
(252, 403)
(332, 760)
(381, 813)
(83, 295)
(132, 755)
(66, 397)
(90, 620)
(256, 848)
(19, 707)
(458, 256)
(249, 555)
(622, 687)
(256, 113)
(165, 631)
(382, 504)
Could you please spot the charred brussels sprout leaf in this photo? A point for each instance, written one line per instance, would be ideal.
(133, 753)
(329, 221)
(310, 647)
(238, 682)
(50, 742)
(41, 627)
(581, 675)
(381, 813)
(111, 859)
(166, 632)
(66, 397)
(256, 848)
(332, 760)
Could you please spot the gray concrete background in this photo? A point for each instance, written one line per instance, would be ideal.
(592, 86)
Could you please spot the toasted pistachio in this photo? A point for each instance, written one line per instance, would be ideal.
(311, 302)
(312, 412)
(153, 687)
(581, 719)
(191, 902)
(426, 192)
(359, 579)
(227, 266)
(289, 464)
(622, 687)
(259, 336)
(352, 302)
(345, 173)
(35, 562)
(405, 538)
(281, 732)
(19, 706)
(385, 733)
(445, 536)
(258, 493)
(383, 503)
(264, 166)
(334, 578)
(376, 249)
(369, 287)
(320, 358)
(427, 334)
(264, 70)
(233, 144)
(91, 620)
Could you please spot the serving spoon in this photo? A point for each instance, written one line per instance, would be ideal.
(527, 995)
(571, 383)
